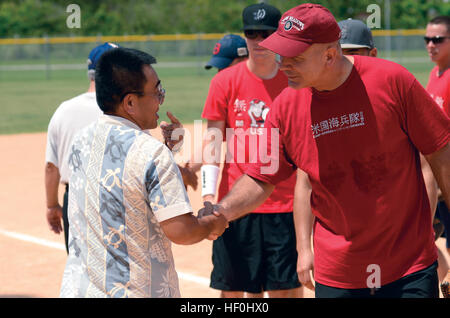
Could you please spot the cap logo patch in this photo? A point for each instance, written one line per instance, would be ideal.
(259, 15)
(216, 49)
(242, 51)
(291, 22)
(343, 32)
(113, 45)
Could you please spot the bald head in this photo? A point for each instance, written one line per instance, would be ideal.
(321, 66)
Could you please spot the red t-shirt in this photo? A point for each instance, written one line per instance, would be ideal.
(358, 144)
(439, 88)
(242, 100)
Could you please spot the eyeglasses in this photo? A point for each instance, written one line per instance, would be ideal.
(253, 34)
(161, 94)
(435, 39)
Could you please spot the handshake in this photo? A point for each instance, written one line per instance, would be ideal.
(210, 217)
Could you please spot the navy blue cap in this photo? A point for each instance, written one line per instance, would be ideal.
(95, 54)
(229, 47)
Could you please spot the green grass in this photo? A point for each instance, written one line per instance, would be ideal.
(421, 69)
(28, 99)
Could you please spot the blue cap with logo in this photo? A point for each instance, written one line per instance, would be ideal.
(231, 46)
(95, 54)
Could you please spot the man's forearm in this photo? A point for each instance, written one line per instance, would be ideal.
(211, 157)
(440, 165)
(303, 217)
(245, 196)
(52, 178)
(186, 229)
(430, 184)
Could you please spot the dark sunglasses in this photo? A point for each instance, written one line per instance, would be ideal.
(253, 34)
(435, 39)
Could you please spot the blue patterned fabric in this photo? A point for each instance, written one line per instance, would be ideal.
(124, 182)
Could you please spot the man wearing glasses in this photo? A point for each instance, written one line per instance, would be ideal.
(257, 253)
(127, 200)
(437, 40)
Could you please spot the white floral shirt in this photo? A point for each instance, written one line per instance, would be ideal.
(123, 183)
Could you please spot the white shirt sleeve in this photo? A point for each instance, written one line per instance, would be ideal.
(51, 152)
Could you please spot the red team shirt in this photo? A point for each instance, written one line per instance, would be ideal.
(358, 145)
(242, 100)
(439, 88)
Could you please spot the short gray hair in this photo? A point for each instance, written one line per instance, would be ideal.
(91, 75)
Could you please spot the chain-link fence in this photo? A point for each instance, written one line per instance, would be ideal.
(49, 55)
(53, 54)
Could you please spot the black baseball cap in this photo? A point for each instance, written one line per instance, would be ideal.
(229, 47)
(355, 34)
(261, 16)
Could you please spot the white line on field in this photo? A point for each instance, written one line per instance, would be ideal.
(59, 246)
(32, 239)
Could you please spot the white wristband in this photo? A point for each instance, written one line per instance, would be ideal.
(209, 176)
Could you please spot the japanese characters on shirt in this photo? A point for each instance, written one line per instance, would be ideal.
(335, 124)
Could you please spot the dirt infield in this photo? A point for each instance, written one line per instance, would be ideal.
(32, 258)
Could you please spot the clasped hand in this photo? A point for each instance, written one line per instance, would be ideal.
(211, 216)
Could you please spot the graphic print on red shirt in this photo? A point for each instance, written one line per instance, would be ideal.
(439, 88)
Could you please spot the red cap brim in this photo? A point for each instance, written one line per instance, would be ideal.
(284, 46)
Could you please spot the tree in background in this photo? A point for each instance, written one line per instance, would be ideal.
(28, 18)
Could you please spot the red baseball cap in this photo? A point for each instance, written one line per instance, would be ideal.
(300, 27)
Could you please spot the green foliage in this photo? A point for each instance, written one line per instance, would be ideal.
(27, 18)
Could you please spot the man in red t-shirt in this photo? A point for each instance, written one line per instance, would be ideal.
(355, 125)
(437, 39)
(257, 253)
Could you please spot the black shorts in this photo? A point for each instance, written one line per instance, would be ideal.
(421, 284)
(256, 253)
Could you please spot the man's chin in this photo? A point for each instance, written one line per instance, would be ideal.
(433, 57)
(294, 85)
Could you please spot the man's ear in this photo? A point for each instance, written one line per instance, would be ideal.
(129, 104)
(373, 52)
(331, 55)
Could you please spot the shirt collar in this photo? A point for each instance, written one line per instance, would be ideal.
(120, 121)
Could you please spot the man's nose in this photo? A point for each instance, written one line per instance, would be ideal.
(283, 62)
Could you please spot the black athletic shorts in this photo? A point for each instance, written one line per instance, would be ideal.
(256, 253)
(421, 284)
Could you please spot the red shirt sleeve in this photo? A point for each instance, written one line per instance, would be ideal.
(427, 126)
